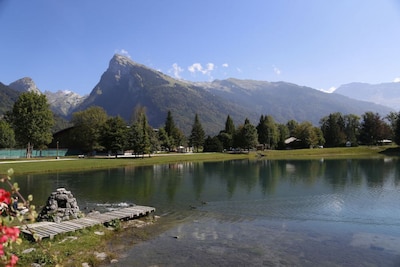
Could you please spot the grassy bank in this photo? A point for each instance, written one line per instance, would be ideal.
(44, 165)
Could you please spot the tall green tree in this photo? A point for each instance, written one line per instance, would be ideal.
(163, 138)
(373, 129)
(396, 129)
(267, 131)
(283, 135)
(140, 135)
(197, 134)
(246, 135)
(309, 135)
(352, 128)
(175, 135)
(212, 144)
(291, 125)
(114, 134)
(88, 125)
(32, 121)
(333, 129)
(226, 136)
(229, 125)
(7, 136)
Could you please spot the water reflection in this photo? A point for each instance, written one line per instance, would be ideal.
(203, 181)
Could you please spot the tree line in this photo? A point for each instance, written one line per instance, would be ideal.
(29, 124)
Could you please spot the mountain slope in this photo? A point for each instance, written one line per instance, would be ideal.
(286, 101)
(8, 96)
(387, 94)
(126, 84)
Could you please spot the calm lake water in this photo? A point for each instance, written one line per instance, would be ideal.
(251, 212)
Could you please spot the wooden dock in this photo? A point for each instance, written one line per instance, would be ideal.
(50, 229)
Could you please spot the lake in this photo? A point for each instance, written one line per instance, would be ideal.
(251, 212)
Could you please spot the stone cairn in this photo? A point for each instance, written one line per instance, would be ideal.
(61, 206)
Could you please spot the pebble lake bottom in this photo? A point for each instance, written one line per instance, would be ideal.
(341, 212)
(208, 239)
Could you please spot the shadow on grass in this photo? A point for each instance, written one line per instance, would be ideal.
(391, 151)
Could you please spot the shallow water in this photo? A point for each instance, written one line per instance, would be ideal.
(252, 212)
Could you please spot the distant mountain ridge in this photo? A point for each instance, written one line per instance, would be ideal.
(126, 84)
(387, 94)
(64, 101)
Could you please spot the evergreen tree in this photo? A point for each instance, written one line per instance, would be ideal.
(226, 136)
(170, 127)
(246, 135)
(140, 135)
(229, 126)
(163, 139)
(175, 136)
(212, 144)
(267, 131)
(197, 135)
(333, 129)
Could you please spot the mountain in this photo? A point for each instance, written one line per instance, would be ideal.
(287, 101)
(63, 102)
(387, 94)
(60, 102)
(8, 96)
(25, 84)
(126, 84)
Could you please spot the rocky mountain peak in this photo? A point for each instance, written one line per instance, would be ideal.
(64, 101)
(25, 84)
(120, 65)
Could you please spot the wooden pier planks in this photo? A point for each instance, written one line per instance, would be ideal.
(50, 229)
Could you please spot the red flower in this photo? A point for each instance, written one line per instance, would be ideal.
(13, 261)
(5, 196)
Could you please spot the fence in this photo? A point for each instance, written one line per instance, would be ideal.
(21, 153)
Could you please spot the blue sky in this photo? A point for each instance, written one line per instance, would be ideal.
(67, 45)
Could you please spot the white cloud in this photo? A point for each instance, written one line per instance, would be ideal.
(176, 70)
(197, 67)
(330, 90)
(123, 52)
(396, 80)
(277, 71)
(225, 65)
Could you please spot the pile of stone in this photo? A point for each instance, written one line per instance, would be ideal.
(60, 206)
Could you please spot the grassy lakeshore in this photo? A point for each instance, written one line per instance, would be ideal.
(47, 165)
